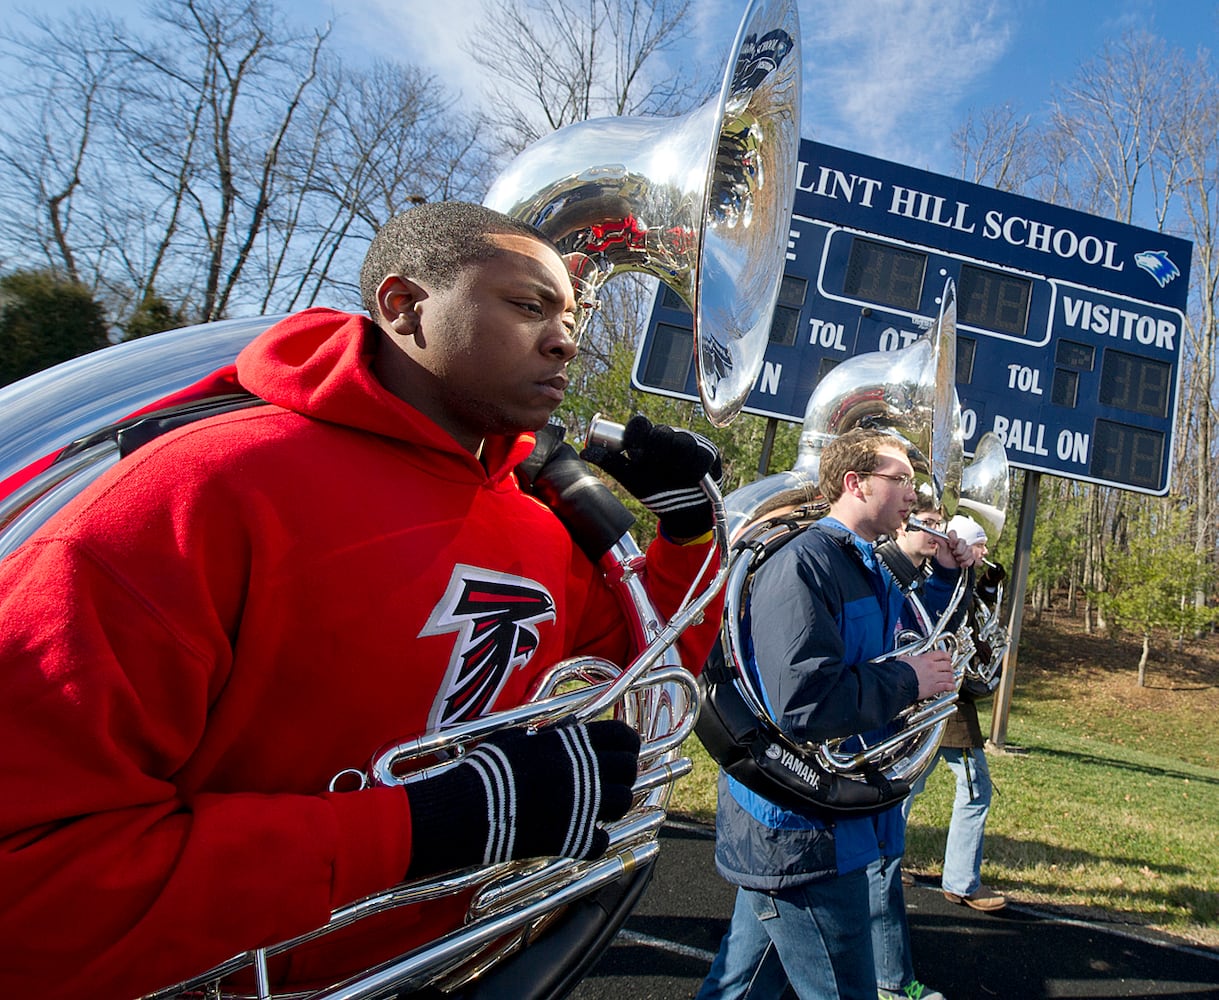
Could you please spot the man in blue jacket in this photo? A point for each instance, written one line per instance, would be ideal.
(821, 609)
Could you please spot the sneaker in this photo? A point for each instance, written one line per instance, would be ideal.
(984, 899)
(913, 990)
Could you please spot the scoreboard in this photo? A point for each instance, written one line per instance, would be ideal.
(1069, 325)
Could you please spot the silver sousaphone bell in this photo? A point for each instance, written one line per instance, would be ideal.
(702, 201)
(985, 486)
(985, 494)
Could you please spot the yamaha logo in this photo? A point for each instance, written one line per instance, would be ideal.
(797, 767)
(792, 763)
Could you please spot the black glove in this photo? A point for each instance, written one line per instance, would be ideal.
(525, 795)
(988, 582)
(663, 469)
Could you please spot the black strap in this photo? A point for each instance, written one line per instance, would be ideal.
(135, 432)
(755, 752)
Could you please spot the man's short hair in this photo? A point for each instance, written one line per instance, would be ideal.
(432, 242)
(856, 450)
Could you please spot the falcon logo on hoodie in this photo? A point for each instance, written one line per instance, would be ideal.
(495, 617)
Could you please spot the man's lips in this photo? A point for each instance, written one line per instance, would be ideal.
(555, 387)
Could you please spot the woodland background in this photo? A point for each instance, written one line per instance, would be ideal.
(229, 162)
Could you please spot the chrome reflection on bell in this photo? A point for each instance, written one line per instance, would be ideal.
(910, 392)
(985, 486)
(701, 201)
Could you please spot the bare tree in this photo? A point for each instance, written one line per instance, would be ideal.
(578, 59)
(996, 148)
(1194, 141)
(1113, 117)
(56, 110)
(226, 162)
(379, 140)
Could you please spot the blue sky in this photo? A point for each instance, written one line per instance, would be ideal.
(890, 78)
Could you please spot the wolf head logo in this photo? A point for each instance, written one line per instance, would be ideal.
(495, 618)
(1158, 265)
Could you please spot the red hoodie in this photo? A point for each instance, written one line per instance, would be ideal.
(235, 613)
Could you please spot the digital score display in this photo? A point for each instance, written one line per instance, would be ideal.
(1134, 384)
(886, 275)
(994, 301)
(1069, 326)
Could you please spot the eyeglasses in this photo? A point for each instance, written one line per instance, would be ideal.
(905, 481)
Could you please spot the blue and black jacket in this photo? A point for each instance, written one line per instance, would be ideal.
(819, 609)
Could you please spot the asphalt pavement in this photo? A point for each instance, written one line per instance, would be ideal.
(666, 946)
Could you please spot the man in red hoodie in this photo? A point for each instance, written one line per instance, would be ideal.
(254, 602)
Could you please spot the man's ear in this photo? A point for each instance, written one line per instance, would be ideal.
(398, 299)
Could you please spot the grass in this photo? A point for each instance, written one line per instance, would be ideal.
(1106, 794)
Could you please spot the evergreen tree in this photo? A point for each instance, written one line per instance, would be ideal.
(45, 319)
(153, 315)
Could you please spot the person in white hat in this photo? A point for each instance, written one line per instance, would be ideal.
(970, 531)
(962, 748)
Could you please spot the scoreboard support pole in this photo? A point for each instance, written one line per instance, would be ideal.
(1020, 576)
(768, 445)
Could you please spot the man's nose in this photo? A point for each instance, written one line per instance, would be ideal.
(562, 343)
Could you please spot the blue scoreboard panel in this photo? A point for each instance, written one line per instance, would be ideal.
(1069, 326)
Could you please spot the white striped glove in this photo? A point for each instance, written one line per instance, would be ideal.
(663, 469)
(525, 795)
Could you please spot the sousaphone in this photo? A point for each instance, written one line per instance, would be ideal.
(701, 202)
(911, 394)
(985, 494)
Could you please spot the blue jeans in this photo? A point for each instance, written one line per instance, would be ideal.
(815, 936)
(963, 851)
(890, 931)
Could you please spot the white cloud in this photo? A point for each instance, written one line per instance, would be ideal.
(886, 77)
(890, 77)
(430, 34)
